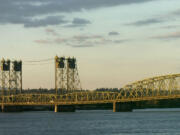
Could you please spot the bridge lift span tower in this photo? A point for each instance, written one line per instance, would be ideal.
(66, 75)
(11, 77)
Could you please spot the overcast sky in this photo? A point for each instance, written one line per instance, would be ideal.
(114, 41)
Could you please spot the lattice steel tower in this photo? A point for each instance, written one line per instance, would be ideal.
(16, 77)
(11, 77)
(66, 75)
(5, 76)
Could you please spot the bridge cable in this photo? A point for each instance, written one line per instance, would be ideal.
(42, 60)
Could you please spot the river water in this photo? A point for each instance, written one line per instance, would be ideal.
(93, 122)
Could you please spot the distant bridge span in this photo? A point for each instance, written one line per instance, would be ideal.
(156, 88)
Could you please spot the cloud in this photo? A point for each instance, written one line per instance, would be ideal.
(79, 22)
(81, 46)
(32, 22)
(175, 35)
(170, 26)
(24, 11)
(121, 41)
(42, 41)
(177, 12)
(113, 33)
(86, 37)
(82, 41)
(60, 40)
(159, 19)
(51, 32)
(49, 20)
(146, 22)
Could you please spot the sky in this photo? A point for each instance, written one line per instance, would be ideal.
(115, 42)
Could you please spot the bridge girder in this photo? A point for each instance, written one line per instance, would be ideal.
(161, 85)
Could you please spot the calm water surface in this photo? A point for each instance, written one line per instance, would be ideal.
(144, 122)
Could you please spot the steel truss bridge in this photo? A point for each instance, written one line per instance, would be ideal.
(156, 88)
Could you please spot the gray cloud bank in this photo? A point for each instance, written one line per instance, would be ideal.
(113, 33)
(26, 11)
(146, 22)
(78, 22)
(159, 19)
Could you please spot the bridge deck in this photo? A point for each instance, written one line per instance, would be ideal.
(74, 99)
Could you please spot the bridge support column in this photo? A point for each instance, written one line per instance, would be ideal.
(64, 108)
(56, 108)
(2, 108)
(114, 106)
(122, 107)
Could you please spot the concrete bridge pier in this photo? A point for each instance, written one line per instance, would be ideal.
(64, 108)
(122, 107)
